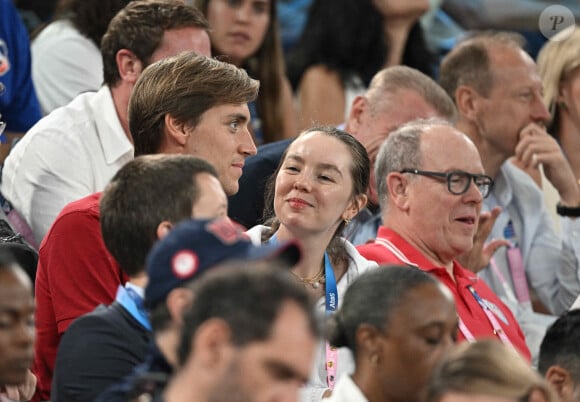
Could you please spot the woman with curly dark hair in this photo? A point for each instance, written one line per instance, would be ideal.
(66, 56)
(344, 43)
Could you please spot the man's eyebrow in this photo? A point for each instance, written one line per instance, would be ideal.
(284, 371)
(239, 116)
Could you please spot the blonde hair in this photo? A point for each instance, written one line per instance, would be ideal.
(558, 58)
(487, 367)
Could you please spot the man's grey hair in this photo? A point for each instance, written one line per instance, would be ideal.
(401, 150)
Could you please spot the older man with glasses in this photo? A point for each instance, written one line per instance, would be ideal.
(431, 187)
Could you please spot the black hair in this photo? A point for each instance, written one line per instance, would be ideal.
(561, 345)
(371, 299)
(347, 36)
(248, 296)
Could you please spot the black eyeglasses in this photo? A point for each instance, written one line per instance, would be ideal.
(458, 181)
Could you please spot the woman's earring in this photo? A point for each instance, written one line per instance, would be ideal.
(346, 221)
(375, 360)
(562, 105)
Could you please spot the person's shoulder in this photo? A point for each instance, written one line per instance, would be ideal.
(82, 214)
(359, 260)
(92, 324)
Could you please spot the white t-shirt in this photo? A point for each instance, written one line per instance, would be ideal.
(64, 65)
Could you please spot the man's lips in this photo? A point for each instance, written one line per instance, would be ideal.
(468, 219)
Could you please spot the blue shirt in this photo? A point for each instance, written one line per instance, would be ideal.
(18, 103)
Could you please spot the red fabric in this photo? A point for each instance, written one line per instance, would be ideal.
(75, 274)
(468, 308)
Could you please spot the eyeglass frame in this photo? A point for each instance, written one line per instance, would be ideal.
(447, 176)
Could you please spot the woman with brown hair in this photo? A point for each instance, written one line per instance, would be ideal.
(246, 34)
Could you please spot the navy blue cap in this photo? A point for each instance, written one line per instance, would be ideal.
(194, 246)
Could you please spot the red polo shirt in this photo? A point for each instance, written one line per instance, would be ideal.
(75, 274)
(468, 308)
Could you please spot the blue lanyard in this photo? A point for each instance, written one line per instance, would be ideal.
(133, 303)
(331, 290)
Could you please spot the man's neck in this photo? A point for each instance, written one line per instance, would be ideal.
(121, 94)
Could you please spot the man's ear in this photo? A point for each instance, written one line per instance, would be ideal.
(212, 345)
(163, 229)
(562, 382)
(129, 65)
(398, 189)
(176, 131)
(467, 100)
(359, 107)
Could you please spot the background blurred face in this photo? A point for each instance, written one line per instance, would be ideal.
(377, 121)
(444, 223)
(175, 41)
(212, 201)
(420, 331)
(570, 95)
(238, 27)
(514, 101)
(274, 369)
(16, 327)
(314, 184)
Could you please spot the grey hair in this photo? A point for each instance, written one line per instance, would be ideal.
(401, 150)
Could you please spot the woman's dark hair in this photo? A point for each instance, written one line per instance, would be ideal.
(90, 17)
(347, 36)
(371, 299)
(360, 173)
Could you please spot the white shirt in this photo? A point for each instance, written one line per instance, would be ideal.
(317, 383)
(67, 155)
(64, 64)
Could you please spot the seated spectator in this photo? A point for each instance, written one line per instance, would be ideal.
(431, 185)
(75, 151)
(498, 93)
(559, 360)
(559, 68)
(398, 321)
(181, 257)
(141, 204)
(396, 95)
(76, 30)
(320, 185)
(73, 252)
(19, 107)
(488, 371)
(246, 33)
(234, 349)
(344, 44)
(16, 330)
(75, 271)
